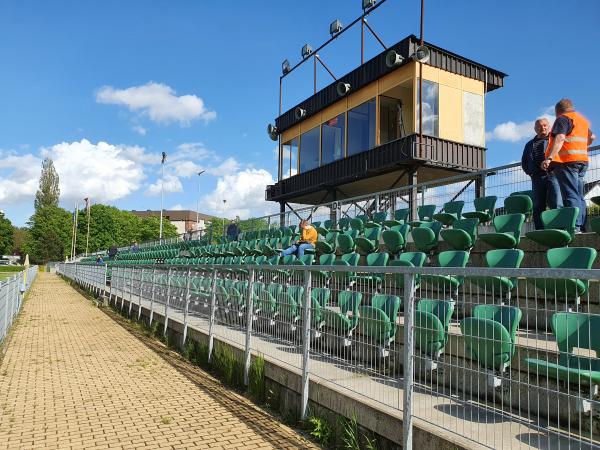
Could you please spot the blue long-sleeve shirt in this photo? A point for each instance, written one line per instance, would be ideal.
(533, 155)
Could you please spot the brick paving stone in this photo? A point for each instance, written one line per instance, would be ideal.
(71, 377)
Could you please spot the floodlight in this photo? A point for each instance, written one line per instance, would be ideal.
(306, 51)
(272, 131)
(299, 113)
(367, 4)
(285, 67)
(421, 54)
(342, 88)
(393, 59)
(335, 27)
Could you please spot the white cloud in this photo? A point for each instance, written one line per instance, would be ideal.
(18, 177)
(139, 130)
(227, 167)
(171, 184)
(177, 207)
(514, 132)
(185, 169)
(102, 171)
(158, 102)
(244, 192)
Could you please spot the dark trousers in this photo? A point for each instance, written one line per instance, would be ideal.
(539, 186)
(570, 177)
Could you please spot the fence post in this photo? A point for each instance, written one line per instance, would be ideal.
(187, 305)
(112, 281)
(131, 291)
(249, 320)
(409, 349)
(167, 302)
(213, 307)
(480, 185)
(105, 277)
(305, 343)
(139, 313)
(4, 290)
(152, 298)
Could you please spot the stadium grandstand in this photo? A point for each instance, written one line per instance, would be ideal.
(429, 305)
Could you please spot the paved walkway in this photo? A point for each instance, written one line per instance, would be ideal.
(72, 378)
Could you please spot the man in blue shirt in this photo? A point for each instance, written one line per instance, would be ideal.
(544, 184)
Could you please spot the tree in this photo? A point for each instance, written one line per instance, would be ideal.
(6, 235)
(19, 238)
(49, 191)
(49, 237)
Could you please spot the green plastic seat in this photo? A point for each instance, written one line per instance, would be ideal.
(345, 241)
(426, 236)
(432, 319)
(349, 259)
(324, 275)
(518, 204)
(450, 258)
(395, 238)
(508, 231)
(490, 335)
(369, 242)
(329, 244)
(462, 235)
(595, 222)
(566, 258)
(400, 218)
(559, 227)
(319, 299)
(425, 214)
(572, 330)
(378, 321)
(374, 260)
(500, 259)
(343, 223)
(324, 229)
(289, 304)
(358, 223)
(406, 259)
(378, 219)
(485, 209)
(343, 322)
(452, 211)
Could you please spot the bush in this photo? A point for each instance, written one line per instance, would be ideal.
(12, 268)
(227, 366)
(320, 430)
(256, 379)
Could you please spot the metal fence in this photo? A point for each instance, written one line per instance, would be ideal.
(506, 358)
(12, 291)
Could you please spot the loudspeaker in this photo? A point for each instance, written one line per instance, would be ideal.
(299, 113)
(421, 54)
(342, 88)
(272, 132)
(393, 59)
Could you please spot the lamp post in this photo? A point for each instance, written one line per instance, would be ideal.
(74, 235)
(224, 205)
(87, 238)
(198, 200)
(162, 186)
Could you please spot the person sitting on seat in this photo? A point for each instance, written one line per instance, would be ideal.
(308, 238)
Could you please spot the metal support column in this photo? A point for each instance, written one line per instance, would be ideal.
(413, 201)
(480, 185)
(167, 302)
(187, 305)
(213, 307)
(409, 349)
(249, 320)
(305, 344)
(139, 311)
(152, 298)
(131, 291)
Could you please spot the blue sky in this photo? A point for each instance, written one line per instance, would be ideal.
(104, 86)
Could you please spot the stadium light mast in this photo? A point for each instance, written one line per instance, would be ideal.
(162, 189)
(198, 200)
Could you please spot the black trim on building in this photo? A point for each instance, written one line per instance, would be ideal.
(376, 68)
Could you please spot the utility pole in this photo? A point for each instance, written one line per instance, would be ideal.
(162, 188)
(87, 238)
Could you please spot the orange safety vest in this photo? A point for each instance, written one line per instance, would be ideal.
(574, 149)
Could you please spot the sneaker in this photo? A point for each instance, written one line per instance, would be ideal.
(578, 231)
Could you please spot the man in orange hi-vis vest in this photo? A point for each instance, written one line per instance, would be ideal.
(567, 154)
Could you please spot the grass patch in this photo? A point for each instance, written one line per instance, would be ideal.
(321, 430)
(226, 365)
(256, 379)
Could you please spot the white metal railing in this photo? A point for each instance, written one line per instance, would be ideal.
(12, 292)
(502, 357)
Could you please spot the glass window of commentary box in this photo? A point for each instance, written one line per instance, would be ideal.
(473, 115)
(431, 108)
(361, 128)
(333, 138)
(309, 149)
(289, 159)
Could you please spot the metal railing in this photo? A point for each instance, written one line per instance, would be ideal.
(12, 292)
(505, 358)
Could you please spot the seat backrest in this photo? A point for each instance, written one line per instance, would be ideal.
(425, 212)
(509, 223)
(330, 237)
(351, 258)
(571, 257)
(296, 293)
(373, 233)
(467, 225)
(274, 289)
(453, 258)
(505, 258)
(434, 226)
(508, 316)
(442, 309)
(454, 207)
(389, 304)
(485, 204)
(328, 224)
(344, 223)
(307, 260)
(401, 214)
(288, 259)
(402, 229)
(561, 218)
(379, 217)
(377, 259)
(518, 204)
(349, 301)
(417, 259)
(576, 330)
(327, 259)
(322, 295)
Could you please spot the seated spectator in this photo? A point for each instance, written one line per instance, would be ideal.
(100, 261)
(308, 238)
(134, 248)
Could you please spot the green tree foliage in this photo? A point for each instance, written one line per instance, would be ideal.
(112, 226)
(49, 191)
(6, 235)
(49, 236)
(19, 238)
